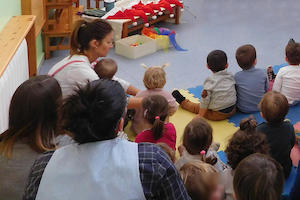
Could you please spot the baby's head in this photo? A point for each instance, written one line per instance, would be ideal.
(202, 181)
(246, 56)
(197, 138)
(292, 52)
(258, 177)
(106, 68)
(155, 77)
(245, 142)
(274, 107)
(217, 61)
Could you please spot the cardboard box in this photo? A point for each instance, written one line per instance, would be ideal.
(146, 46)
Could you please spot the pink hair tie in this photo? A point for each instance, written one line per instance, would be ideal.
(203, 152)
(157, 117)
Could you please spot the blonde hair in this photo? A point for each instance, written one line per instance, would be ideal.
(155, 77)
(200, 179)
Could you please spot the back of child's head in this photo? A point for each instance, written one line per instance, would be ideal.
(258, 177)
(197, 138)
(245, 142)
(200, 179)
(292, 52)
(155, 77)
(106, 68)
(245, 56)
(156, 109)
(217, 60)
(274, 107)
(169, 151)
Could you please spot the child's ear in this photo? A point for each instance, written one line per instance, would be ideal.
(286, 59)
(262, 115)
(226, 66)
(255, 62)
(207, 66)
(94, 43)
(121, 125)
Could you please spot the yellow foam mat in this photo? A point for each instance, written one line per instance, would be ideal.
(222, 130)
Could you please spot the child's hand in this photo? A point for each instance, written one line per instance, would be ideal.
(181, 150)
(204, 94)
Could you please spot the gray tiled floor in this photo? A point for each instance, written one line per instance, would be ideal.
(216, 24)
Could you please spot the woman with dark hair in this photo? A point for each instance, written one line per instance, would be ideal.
(89, 41)
(31, 131)
(101, 165)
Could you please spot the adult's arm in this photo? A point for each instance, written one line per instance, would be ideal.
(35, 176)
(130, 89)
(160, 179)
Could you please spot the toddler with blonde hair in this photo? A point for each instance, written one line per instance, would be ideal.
(154, 81)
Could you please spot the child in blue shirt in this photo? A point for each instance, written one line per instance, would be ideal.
(251, 82)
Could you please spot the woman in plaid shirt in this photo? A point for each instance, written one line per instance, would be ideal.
(100, 165)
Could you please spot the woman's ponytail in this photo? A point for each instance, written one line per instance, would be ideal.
(75, 46)
(84, 32)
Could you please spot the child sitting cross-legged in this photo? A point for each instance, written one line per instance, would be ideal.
(156, 110)
(197, 145)
(154, 81)
(251, 83)
(287, 80)
(202, 181)
(218, 96)
(279, 132)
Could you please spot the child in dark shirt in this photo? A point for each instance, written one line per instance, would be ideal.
(280, 133)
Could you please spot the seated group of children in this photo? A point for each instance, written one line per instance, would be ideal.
(204, 174)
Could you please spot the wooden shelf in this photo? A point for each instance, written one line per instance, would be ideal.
(11, 37)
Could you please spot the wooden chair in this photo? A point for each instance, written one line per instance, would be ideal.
(60, 16)
(88, 3)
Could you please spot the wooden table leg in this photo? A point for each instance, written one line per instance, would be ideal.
(125, 30)
(177, 15)
(88, 4)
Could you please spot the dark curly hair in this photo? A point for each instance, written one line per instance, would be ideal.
(93, 113)
(245, 142)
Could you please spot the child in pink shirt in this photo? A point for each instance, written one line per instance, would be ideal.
(154, 81)
(155, 109)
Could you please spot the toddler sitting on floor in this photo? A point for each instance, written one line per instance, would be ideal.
(154, 81)
(219, 95)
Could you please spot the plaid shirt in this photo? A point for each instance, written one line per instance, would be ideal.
(159, 177)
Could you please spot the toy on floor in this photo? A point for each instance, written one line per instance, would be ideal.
(157, 33)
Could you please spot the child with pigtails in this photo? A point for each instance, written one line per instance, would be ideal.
(157, 130)
(198, 144)
(154, 81)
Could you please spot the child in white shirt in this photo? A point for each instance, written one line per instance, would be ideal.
(287, 80)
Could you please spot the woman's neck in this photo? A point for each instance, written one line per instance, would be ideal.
(91, 56)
